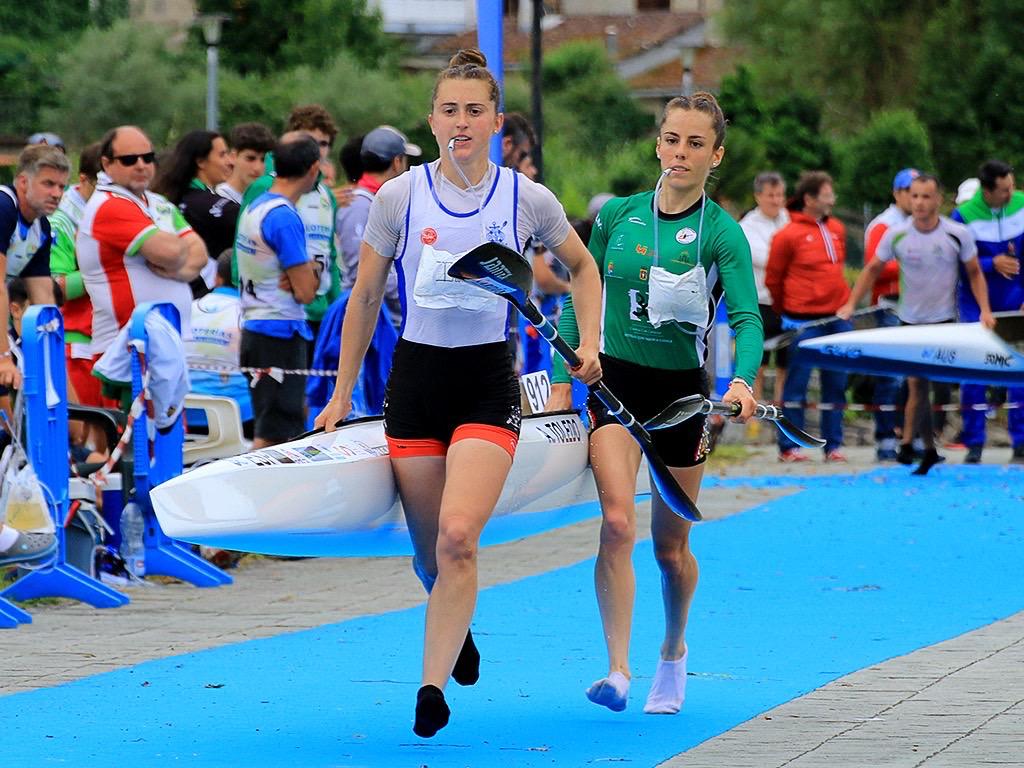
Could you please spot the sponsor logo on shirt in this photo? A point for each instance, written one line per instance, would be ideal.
(496, 232)
(428, 236)
(686, 235)
(637, 220)
(641, 249)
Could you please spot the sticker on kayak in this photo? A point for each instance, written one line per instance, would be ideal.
(310, 454)
(562, 432)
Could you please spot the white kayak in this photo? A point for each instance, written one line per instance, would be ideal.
(335, 494)
(958, 352)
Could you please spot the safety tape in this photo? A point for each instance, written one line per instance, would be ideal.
(897, 408)
(277, 374)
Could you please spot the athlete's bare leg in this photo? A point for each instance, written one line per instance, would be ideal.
(615, 460)
(475, 473)
(420, 484)
(679, 573)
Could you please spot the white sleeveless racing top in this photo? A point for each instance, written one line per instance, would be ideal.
(259, 270)
(438, 309)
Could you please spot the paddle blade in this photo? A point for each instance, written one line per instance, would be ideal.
(797, 435)
(671, 492)
(498, 269)
(676, 413)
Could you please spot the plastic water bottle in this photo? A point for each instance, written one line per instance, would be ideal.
(132, 549)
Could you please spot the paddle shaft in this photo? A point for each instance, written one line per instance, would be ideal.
(664, 480)
(768, 413)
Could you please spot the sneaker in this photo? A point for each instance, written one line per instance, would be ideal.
(886, 454)
(29, 548)
(835, 456)
(973, 454)
(906, 454)
(791, 456)
(1018, 455)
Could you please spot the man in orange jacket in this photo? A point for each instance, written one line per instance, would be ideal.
(805, 278)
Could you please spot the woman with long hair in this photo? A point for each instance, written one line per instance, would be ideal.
(188, 177)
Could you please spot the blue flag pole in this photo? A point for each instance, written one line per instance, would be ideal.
(490, 41)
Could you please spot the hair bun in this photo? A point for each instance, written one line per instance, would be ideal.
(472, 56)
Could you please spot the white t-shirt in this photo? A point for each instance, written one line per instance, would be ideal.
(759, 230)
(929, 267)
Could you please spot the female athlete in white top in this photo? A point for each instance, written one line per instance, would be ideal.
(452, 410)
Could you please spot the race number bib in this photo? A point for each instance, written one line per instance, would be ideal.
(537, 387)
(434, 289)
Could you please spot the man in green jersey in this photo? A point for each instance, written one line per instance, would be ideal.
(662, 275)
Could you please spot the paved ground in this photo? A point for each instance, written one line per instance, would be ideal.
(959, 703)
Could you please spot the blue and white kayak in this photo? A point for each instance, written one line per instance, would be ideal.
(335, 494)
(957, 352)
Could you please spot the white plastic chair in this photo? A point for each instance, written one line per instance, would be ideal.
(224, 422)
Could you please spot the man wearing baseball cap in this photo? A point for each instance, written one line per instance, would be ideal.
(385, 154)
(51, 139)
(886, 292)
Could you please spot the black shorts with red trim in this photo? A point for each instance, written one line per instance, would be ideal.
(646, 392)
(437, 395)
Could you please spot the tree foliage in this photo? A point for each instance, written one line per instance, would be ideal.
(586, 100)
(954, 63)
(265, 36)
(783, 134)
(894, 139)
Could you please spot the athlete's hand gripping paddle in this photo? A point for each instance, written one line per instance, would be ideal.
(505, 273)
(687, 407)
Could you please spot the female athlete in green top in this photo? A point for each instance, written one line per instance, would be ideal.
(661, 278)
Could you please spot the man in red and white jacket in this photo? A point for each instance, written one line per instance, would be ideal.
(805, 278)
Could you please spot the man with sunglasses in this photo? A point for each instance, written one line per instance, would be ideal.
(133, 245)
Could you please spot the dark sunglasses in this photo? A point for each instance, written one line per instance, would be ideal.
(129, 160)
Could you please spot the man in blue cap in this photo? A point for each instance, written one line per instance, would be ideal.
(384, 154)
(886, 293)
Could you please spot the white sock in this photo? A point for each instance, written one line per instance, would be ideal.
(668, 689)
(8, 536)
(611, 691)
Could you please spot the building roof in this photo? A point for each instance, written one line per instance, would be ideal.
(639, 39)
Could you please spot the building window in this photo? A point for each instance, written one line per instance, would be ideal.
(654, 5)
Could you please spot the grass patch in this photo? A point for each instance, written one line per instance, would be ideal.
(725, 455)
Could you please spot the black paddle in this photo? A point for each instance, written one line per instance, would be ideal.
(688, 407)
(505, 273)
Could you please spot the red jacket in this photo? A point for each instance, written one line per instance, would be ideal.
(805, 266)
(888, 282)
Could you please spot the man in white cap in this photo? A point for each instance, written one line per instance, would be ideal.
(385, 154)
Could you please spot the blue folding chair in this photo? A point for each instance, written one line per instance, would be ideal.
(46, 428)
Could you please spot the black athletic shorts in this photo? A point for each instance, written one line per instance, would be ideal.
(646, 392)
(773, 327)
(278, 408)
(433, 391)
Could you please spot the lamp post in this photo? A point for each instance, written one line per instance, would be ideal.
(687, 55)
(211, 24)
